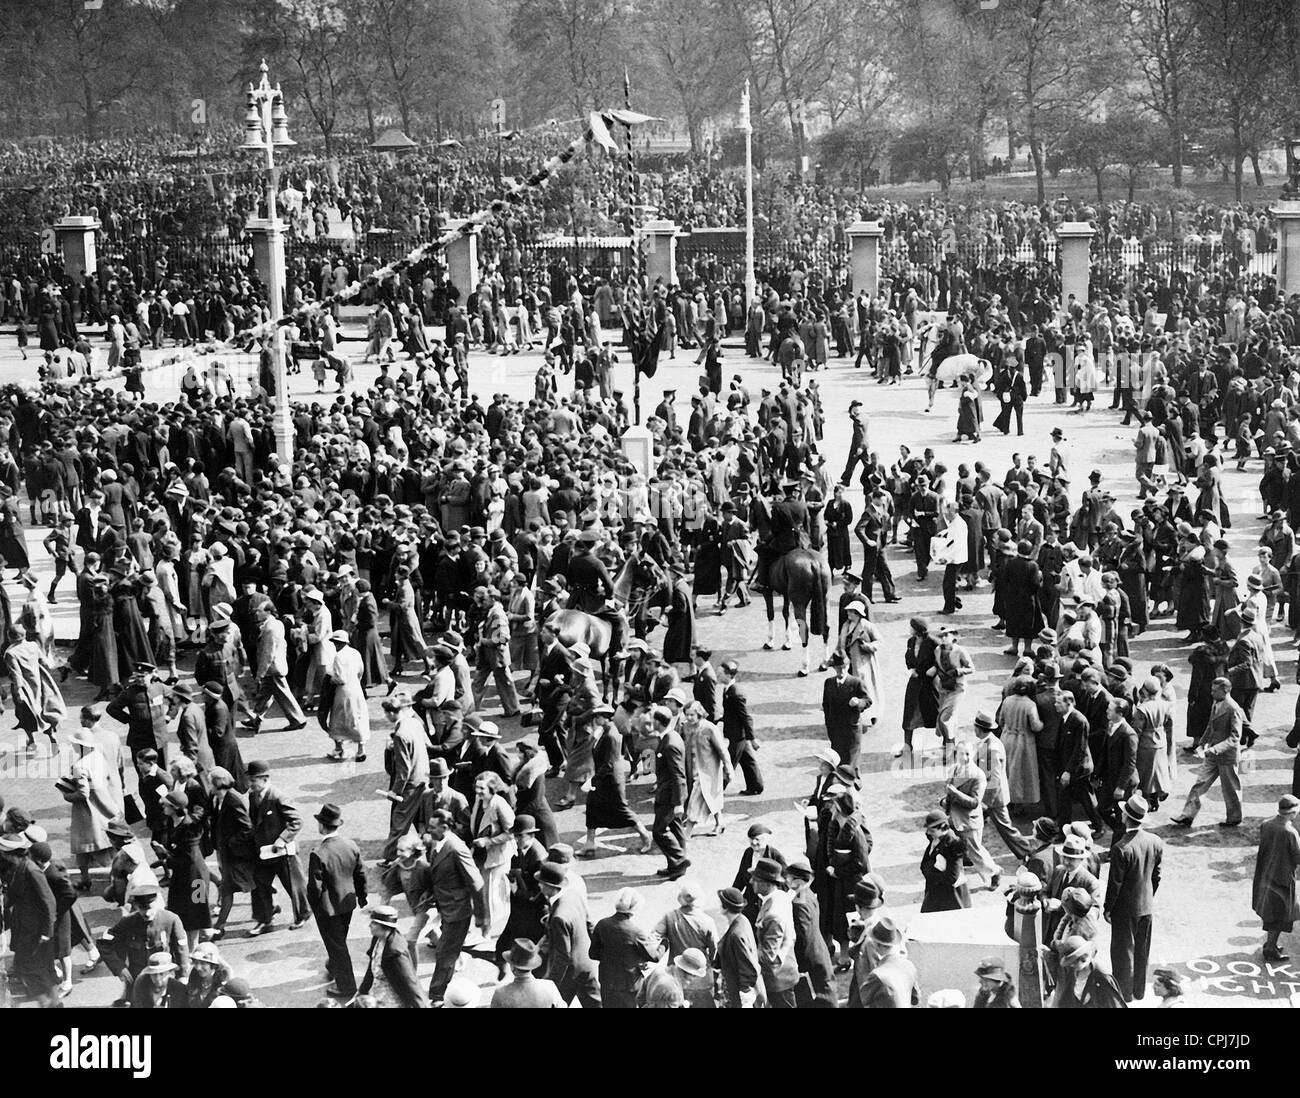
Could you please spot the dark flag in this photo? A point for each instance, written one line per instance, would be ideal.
(647, 360)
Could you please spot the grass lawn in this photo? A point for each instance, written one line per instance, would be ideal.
(1080, 186)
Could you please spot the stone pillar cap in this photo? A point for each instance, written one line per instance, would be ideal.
(1075, 228)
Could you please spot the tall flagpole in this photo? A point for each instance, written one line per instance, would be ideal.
(637, 344)
(747, 128)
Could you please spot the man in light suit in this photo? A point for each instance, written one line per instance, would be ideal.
(991, 757)
(272, 674)
(449, 883)
(336, 887)
(1130, 899)
(568, 945)
(276, 823)
(1219, 748)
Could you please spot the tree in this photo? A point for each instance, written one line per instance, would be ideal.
(796, 42)
(1162, 43)
(313, 36)
(1089, 146)
(688, 42)
(1237, 46)
(1058, 58)
(928, 150)
(574, 51)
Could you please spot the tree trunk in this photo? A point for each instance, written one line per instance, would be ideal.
(1178, 159)
(1254, 163)
(1238, 162)
(1132, 184)
(1097, 174)
(370, 119)
(1036, 151)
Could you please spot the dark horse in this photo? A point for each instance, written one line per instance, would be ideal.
(803, 580)
(642, 585)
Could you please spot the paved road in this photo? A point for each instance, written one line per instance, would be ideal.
(1204, 911)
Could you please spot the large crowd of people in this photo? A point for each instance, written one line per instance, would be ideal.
(444, 552)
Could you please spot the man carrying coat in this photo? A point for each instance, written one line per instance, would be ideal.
(336, 887)
(1130, 899)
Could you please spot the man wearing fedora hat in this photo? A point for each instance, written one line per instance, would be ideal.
(272, 673)
(440, 795)
(336, 887)
(737, 957)
(276, 824)
(568, 943)
(406, 760)
(816, 987)
(30, 913)
(1276, 864)
(524, 991)
(390, 974)
(991, 757)
(622, 948)
(774, 930)
(1135, 863)
(892, 981)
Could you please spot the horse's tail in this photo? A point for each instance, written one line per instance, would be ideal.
(817, 616)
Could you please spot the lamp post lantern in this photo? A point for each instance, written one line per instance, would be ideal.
(747, 128)
(266, 128)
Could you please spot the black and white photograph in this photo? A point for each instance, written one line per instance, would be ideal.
(631, 504)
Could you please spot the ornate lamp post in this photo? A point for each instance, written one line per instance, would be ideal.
(747, 128)
(266, 128)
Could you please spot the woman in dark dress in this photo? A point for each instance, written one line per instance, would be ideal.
(848, 855)
(941, 866)
(1209, 661)
(607, 802)
(189, 886)
(839, 520)
(1195, 578)
(921, 700)
(530, 792)
(103, 645)
(365, 638)
(132, 636)
(969, 413)
(707, 570)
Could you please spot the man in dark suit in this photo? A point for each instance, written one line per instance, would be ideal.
(552, 677)
(568, 945)
(738, 730)
(872, 530)
(810, 950)
(142, 707)
(843, 700)
(276, 824)
(1118, 777)
(670, 794)
(622, 948)
(1074, 781)
(737, 961)
(1130, 899)
(449, 883)
(192, 731)
(30, 912)
(926, 507)
(232, 838)
(439, 794)
(336, 887)
(704, 683)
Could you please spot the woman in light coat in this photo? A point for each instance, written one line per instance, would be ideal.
(712, 769)
(349, 717)
(859, 642)
(93, 801)
(320, 653)
(490, 821)
(1152, 717)
(1020, 723)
